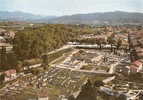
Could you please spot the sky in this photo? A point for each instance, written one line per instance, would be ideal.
(69, 7)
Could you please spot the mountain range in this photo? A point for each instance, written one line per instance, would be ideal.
(117, 17)
(22, 16)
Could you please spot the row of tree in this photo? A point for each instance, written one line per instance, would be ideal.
(102, 41)
(32, 42)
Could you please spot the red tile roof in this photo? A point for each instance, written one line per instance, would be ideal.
(9, 72)
(137, 63)
(138, 49)
(133, 66)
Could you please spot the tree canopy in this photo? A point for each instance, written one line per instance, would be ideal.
(32, 42)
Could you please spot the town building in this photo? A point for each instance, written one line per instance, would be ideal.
(10, 75)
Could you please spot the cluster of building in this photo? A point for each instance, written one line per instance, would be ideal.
(136, 52)
(5, 35)
(8, 75)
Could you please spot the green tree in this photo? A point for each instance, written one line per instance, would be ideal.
(111, 41)
(119, 43)
(32, 43)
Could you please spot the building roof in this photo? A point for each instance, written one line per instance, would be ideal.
(137, 63)
(10, 72)
(133, 66)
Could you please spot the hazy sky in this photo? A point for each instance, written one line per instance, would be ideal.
(68, 7)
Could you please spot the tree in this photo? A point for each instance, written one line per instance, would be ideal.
(119, 43)
(71, 97)
(87, 92)
(111, 41)
(98, 83)
(99, 42)
(19, 66)
(3, 56)
(45, 61)
(2, 78)
(122, 97)
(32, 43)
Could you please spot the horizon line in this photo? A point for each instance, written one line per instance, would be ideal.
(71, 14)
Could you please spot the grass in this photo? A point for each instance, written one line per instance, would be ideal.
(56, 55)
(62, 58)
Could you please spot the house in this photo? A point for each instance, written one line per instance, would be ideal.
(139, 52)
(11, 34)
(139, 65)
(132, 69)
(10, 75)
(7, 34)
(136, 66)
(2, 39)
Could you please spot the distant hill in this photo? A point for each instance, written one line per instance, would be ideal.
(117, 17)
(21, 16)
